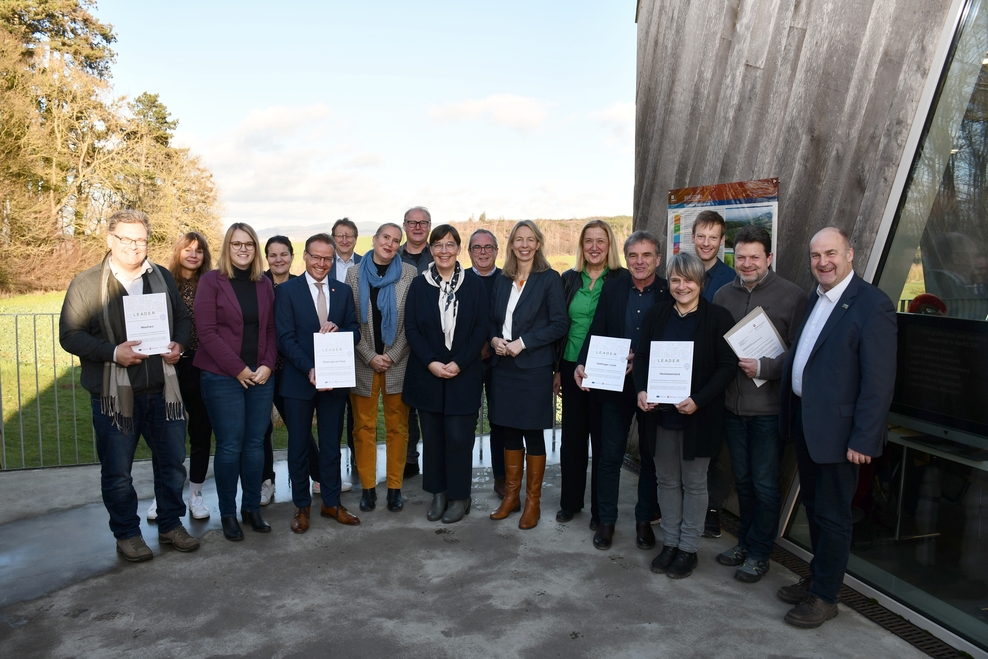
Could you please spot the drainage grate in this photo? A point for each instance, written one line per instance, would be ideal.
(877, 613)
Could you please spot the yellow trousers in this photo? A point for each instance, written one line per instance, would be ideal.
(365, 434)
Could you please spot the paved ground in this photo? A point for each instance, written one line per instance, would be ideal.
(397, 585)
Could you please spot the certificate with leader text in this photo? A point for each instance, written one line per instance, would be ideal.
(755, 337)
(607, 362)
(670, 371)
(333, 352)
(146, 320)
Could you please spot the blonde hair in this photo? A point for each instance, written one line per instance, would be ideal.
(539, 264)
(613, 255)
(225, 264)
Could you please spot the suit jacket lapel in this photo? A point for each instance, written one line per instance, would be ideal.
(231, 296)
(526, 292)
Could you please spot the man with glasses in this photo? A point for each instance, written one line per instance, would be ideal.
(345, 236)
(483, 258)
(416, 253)
(133, 393)
(303, 306)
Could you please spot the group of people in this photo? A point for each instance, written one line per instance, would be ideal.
(431, 336)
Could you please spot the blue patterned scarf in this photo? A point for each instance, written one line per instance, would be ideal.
(387, 301)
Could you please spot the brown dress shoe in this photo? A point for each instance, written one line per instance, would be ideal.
(811, 612)
(340, 514)
(300, 523)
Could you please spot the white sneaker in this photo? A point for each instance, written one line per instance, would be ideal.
(267, 492)
(315, 488)
(197, 507)
(153, 510)
(346, 487)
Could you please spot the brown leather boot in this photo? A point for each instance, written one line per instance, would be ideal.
(533, 492)
(499, 487)
(513, 466)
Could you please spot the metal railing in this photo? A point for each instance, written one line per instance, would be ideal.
(46, 415)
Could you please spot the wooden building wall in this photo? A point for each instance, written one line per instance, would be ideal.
(820, 93)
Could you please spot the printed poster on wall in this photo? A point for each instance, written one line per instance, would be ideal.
(741, 203)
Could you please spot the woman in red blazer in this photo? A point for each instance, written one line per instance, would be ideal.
(235, 320)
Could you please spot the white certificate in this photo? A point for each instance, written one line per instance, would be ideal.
(670, 371)
(755, 337)
(607, 361)
(334, 360)
(146, 319)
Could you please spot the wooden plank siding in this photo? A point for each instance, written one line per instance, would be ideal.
(820, 93)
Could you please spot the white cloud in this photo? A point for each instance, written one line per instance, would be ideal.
(510, 110)
(619, 120)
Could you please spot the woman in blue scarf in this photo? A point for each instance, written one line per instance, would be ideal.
(380, 285)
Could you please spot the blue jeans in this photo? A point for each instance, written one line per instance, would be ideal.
(166, 439)
(239, 417)
(615, 422)
(756, 451)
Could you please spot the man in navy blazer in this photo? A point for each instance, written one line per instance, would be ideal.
(836, 390)
(345, 238)
(304, 306)
(622, 304)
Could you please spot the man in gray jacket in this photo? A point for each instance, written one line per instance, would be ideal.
(752, 425)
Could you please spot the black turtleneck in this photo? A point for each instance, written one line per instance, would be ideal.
(375, 312)
(246, 292)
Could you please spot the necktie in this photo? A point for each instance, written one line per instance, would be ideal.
(321, 309)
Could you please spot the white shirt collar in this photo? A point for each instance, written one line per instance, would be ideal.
(312, 281)
(479, 273)
(834, 293)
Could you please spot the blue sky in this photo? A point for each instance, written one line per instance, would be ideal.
(310, 111)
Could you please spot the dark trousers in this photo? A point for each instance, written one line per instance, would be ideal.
(497, 432)
(447, 453)
(616, 415)
(533, 444)
(581, 422)
(756, 456)
(718, 482)
(196, 417)
(115, 448)
(268, 471)
(329, 414)
(827, 491)
(414, 435)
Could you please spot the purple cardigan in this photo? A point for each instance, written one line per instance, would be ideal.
(220, 325)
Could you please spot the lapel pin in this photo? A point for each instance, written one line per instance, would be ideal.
(844, 305)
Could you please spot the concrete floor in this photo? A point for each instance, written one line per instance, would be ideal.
(396, 585)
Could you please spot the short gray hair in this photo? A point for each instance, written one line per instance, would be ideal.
(485, 231)
(687, 266)
(128, 216)
(422, 209)
(638, 237)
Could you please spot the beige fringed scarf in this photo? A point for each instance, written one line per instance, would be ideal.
(117, 396)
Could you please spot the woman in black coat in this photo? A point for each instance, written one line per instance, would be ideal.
(446, 325)
(528, 316)
(683, 437)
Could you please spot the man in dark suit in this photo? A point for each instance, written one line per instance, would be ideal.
(622, 305)
(303, 307)
(836, 390)
(345, 237)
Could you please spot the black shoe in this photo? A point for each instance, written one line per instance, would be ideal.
(711, 525)
(255, 521)
(811, 612)
(645, 536)
(797, 592)
(395, 503)
(683, 565)
(411, 469)
(367, 499)
(564, 516)
(665, 558)
(231, 528)
(603, 537)
(594, 523)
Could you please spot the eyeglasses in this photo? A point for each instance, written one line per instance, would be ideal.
(421, 224)
(485, 249)
(444, 247)
(320, 259)
(127, 242)
(237, 246)
(343, 236)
